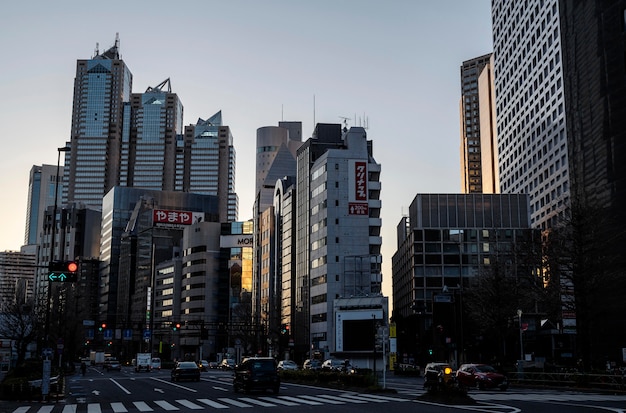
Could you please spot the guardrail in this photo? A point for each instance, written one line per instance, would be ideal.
(615, 382)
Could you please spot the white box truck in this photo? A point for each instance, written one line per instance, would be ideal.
(143, 361)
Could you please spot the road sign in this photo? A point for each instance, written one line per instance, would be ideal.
(47, 352)
(146, 334)
(108, 334)
(128, 334)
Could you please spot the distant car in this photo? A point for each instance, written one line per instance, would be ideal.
(312, 364)
(227, 364)
(256, 373)
(203, 365)
(155, 363)
(481, 376)
(333, 364)
(438, 376)
(186, 370)
(287, 365)
(213, 364)
(111, 363)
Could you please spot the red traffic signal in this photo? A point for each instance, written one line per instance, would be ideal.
(62, 271)
(71, 266)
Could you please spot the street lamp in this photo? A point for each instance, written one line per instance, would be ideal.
(52, 241)
(521, 342)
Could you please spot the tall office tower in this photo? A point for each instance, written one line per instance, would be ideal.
(208, 164)
(17, 278)
(593, 51)
(100, 120)
(276, 148)
(148, 158)
(490, 175)
(532, 139)
(338, 230)
(41, 189)
(471, 132)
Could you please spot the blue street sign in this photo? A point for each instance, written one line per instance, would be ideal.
(108, 334)
(146, 334)
(128, 334)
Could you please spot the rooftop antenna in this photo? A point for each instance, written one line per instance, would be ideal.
(314, 111)
(345, 123)
(97, 51)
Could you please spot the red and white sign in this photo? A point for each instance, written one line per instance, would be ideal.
(164, 217)
(360, 181)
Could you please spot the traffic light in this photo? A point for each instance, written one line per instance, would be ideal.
(62, 271)
(102, 327)
(176, 326)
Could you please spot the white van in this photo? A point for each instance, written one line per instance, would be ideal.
(155, 363)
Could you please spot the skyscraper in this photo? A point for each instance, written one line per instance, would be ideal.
(471, 128)
(100, 122)
(530, 105)
(41, 189)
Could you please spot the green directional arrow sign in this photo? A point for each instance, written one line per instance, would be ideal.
(62, 271)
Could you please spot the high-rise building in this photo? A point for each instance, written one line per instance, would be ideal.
(41, 190)
(530, 105)
(100, 123)
(148, 158)
(208, 161)
(17, 279)
(471, 125)
(338, 231)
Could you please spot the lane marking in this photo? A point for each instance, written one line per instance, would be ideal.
(120, 386)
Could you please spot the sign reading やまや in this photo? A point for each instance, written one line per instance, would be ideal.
(170, 218)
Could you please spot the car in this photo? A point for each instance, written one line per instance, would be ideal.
(256, 373)
(287, 365)
(155, 363)
(111, 363)
(312, 364)
(337, 365)
(438, 376)
(204, 365)
(481, 376)
(213, 364)
(227, 364)
(186, 370)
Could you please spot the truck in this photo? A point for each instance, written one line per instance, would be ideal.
(143, 361)
(96, 358)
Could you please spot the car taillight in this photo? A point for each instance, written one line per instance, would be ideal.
(447, 371)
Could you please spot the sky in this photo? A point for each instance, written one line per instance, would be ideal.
(391, 66)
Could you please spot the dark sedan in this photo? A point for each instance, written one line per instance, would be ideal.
(481, 376)
(186, 370)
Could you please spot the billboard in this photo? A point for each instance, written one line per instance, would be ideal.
(357, 182)
(175, 219)
(355, 329)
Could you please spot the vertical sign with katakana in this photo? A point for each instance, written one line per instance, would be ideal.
(357, 180)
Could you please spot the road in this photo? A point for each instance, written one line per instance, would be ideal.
(126, 391)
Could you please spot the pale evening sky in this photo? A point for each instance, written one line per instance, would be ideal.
(395, 63)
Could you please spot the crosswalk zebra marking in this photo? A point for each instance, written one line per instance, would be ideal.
(234, 402)
(257, 402)
(94, 408)
(359, 397)
(166, 405)
(295, 399)
(22, 409)
(143, 407)
(70, 408)
(189, 404)
(305, 396)
(381, 397)
(278, 401)
(118, 407)
(340, 398)
(211, 403)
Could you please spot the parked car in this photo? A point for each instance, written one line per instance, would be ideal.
(287, 365)
(227, 364)
(256, 373)
(343, 366)
(438, 376)
(203, 365)
(481, 376)
(312, 364)
(155, 363)
(186, 370)
(111, 363)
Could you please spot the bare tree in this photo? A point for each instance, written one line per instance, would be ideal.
(20, 323)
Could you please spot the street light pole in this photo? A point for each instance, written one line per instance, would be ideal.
(52, 241)
(521, 342)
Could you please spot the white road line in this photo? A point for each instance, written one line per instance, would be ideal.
(189, 405)
(361, 397)
(143, 407)
(297, 400)
(278, 401)
(94, 408)
(22, 409)
(213, 404)
(340, 398)
(45, 409)
(325, 401)
(257, 402)
(120, 386)
(234, 402)
(70, 408)
(118, 407)
(165, 405)
(174, 384)
(381, 397)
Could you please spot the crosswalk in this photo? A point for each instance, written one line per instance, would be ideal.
(188, 405)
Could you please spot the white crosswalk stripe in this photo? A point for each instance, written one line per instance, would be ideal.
(209, 404)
